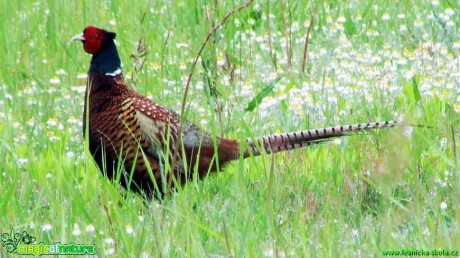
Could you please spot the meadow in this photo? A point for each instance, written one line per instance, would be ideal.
(396, 189)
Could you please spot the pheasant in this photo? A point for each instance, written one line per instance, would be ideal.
(130, 133)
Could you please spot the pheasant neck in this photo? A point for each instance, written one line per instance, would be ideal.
(106, 61)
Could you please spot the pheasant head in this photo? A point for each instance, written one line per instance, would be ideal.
(100, 44)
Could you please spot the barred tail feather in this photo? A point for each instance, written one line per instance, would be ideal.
(288, 141)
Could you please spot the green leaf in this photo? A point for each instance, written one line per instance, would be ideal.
(262, 94)
(415, 83)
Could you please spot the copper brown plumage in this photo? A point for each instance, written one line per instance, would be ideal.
(129, 133)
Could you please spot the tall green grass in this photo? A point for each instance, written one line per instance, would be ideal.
(390, 190)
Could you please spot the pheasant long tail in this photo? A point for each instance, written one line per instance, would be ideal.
(288, 141)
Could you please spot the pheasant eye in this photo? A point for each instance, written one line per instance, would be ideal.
(95, 36)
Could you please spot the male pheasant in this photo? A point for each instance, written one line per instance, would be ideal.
(128, 132)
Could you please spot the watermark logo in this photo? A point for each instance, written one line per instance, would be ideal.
(23, 244)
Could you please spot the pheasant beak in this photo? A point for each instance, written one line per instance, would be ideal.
(78, 37)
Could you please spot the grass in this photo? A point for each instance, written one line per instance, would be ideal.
(367, 61)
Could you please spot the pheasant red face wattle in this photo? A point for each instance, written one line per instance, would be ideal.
(93, 38)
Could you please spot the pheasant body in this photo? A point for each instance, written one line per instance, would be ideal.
(130, 133)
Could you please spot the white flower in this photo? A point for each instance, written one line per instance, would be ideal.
(418, 23)
(443, 205)
(109, 241)
(46, 227)
(23, 161)
(55, 80)
(109, 251)
(52, 122)
(449, 11)
(61, 72)
(129, 229)
(76, 230)
(385, 17)
(182, 45)
(70, 154)
(402, 28)
(341, 19)
(89, 228)
(82, 76)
